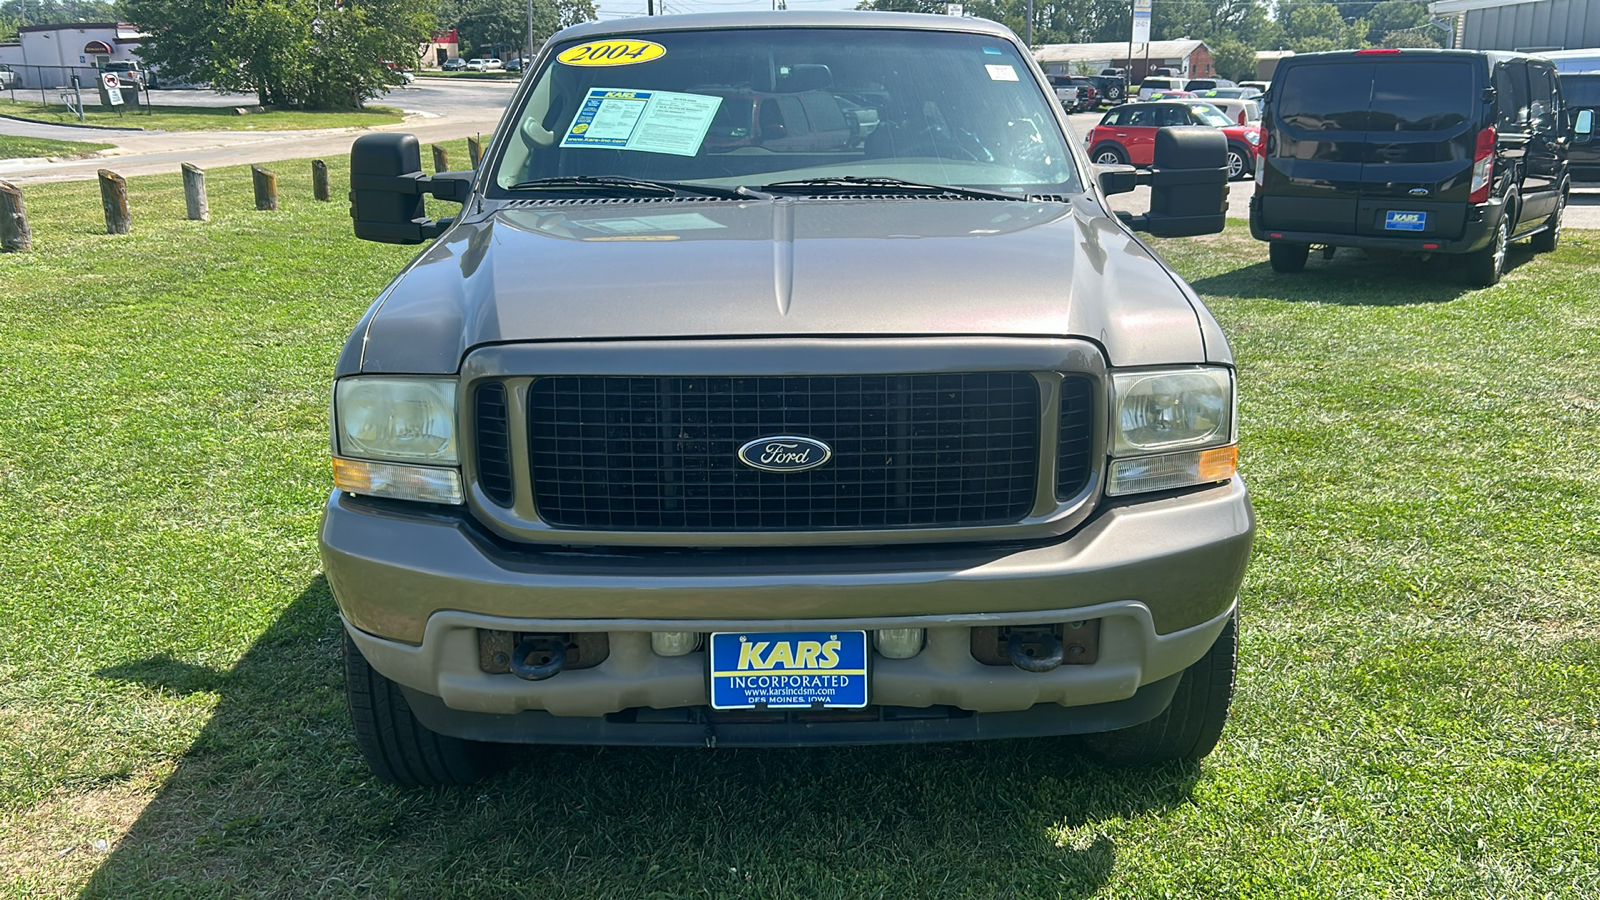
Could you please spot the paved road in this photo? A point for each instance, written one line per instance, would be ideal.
(438, 110)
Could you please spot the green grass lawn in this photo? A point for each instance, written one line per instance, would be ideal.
(1418, 704)
(200, 118)
(25, 147)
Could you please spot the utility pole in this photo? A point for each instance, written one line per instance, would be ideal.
(1030, 24)
(530, 31)
(650, 7)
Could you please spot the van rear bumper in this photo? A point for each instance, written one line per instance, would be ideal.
(1482, 218)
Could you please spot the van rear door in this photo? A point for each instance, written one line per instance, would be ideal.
(1311, 178)
(1422, 129)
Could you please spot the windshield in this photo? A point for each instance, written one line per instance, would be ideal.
(1210, 115)
(756, 106)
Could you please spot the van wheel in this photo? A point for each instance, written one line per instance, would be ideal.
(1288, 257)
(1189, 727)
(1487, 265)
(1238, 162)
(1546, 240)
(1109, 155)
(398, 748)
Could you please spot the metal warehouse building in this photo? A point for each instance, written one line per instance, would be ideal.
(1523, 24)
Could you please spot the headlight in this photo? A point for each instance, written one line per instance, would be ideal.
(398, 422)
(403, 419)
(1174, 428)
(1253, 137)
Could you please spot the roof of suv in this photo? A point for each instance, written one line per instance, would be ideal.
(785, 19)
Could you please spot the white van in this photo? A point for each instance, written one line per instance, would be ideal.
(1159, 85)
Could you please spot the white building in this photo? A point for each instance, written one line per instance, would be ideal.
(48, 56)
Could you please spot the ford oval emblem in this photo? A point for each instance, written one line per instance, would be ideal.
(785, 453)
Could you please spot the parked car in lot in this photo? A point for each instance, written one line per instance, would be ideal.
(1242, 112)
(1112, 84)
(1426, 151)
(1207, 84)
(1581, 92)
(454, 64)
(687, 431)
(1066, 92)
(1256, 85)
(1087, 96)
(485, 64)
(129, 75)
(1127, 134)
(8, 77)
(1159, 84)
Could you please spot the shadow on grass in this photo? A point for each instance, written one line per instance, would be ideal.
(1357, 278)
(272, 798)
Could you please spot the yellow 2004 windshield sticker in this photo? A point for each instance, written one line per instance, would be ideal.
(613, 52)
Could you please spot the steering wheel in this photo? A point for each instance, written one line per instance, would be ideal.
(947, 143)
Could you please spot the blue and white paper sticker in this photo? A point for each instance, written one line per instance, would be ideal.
(650, 121)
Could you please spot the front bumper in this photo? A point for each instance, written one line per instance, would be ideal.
(1160, 574)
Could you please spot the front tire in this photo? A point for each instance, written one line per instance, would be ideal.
(1188, 729)
(1288, 258)
(1238, 163)
(398, 748)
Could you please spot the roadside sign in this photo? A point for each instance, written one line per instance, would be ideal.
(1141, 21)
(113, 90)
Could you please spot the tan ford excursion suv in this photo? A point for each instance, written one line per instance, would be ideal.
(784, 380)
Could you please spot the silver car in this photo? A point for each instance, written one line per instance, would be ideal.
(784, 379)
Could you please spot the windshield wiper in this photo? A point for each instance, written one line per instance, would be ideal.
(618, 186)
(877, 185)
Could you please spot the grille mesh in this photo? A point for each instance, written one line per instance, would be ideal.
(494, 444)
(659, 453)
(1075, 433)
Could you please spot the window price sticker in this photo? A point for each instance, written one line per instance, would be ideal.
(651, 121)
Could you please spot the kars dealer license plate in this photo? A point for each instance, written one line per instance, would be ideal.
(789, 670)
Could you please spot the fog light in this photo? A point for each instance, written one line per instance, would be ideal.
(899, 643)
(674, 643)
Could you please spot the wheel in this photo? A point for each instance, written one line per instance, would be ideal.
(1238, 162)
(1113, 94)
(1487, 265)
(1546, 241)
(1189, 727)
(1288, 257)
(1110, 155)
(397, 747)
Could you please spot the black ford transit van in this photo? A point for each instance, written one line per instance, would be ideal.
(1430, 151)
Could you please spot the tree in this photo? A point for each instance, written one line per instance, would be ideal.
(309, 54)
(1313, 25)
(1401, 17)
(1234, 59)
(490, 25)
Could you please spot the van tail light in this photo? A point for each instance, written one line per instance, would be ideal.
(1261, 161)
(1482, 167)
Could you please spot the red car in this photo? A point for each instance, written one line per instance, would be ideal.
(1127, 134)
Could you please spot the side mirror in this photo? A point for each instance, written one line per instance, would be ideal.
(387, 187)
(1188, 183)
(1583, 125)
(1118, 179)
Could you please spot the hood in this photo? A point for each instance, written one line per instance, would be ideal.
(596, 270)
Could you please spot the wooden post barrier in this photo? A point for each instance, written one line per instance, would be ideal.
(266, 185)
(15, 236)
(194, 193)
(114, 200)
(441, 159)
(319, 180)
(475, 151)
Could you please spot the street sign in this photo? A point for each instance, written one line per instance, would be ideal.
(1141, 21)
(113, 90)
(954, 9)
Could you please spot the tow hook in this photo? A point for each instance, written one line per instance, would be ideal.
(557, 649)
(1050, 646)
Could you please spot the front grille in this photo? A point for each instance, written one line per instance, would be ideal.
(494, 445)
(1075, 435)
(659, 453)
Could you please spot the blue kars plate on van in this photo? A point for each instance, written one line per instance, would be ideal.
(789, 670)
(1396, 220)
